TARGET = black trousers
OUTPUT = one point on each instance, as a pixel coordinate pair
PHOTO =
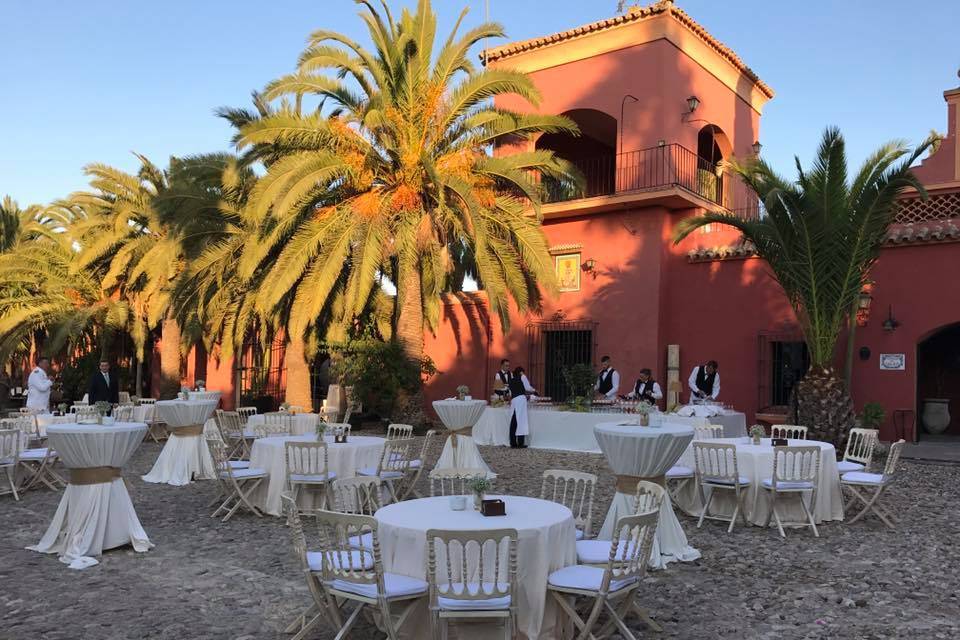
(515, 440)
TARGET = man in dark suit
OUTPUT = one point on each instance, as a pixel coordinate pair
(103, 385)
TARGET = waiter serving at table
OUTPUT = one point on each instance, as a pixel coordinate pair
(705, 382)
(646, 388)
(501, 381)
(608, 382)
(520, 390)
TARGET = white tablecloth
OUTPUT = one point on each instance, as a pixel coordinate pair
(205, 395)
(344, 459)
(546, 544)
(300, 424)
(646, 452)
(45, 420)
(94, 517)
(460, 451)
(183, 457)
(756, 462)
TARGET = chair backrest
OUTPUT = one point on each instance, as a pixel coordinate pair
(716, 461)
(84, 412)
(306, 458)
(123, 397)
(397, 455)
(796, 464)
(453, 482)
(860, 446)
(123, 413)
(398, 431)
(9, 445)
(788, 431)
(347, 428)
(890, 468)
(245, 413)
(630, 548)
(574, 490)
(297, 536)
(649, 496)
(708, 432)
(343, 560)
(357, 495)
(148, 401)
(427, 439)
(228, 422)
(471, 565)
(219, 454)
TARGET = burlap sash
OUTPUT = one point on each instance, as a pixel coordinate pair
(466, 432)
(186, 430)
(628, 484)
(94, 475)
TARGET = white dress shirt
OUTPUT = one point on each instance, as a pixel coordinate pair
(655, 392)
(693, 384)
(38, 390)
(614, 380)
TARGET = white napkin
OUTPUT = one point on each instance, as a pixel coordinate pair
(686, 411)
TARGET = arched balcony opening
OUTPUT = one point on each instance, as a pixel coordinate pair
(594, 153)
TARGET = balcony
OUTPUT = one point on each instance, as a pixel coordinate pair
(669, 175)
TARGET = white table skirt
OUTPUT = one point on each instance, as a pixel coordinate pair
(183, 458)
(300, 424)
(181, 413)
(646, 452)
(460, 451)
(95, 517)
(756, 463)
(344, 459)
(546, 543)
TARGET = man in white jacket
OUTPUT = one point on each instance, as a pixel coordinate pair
(39, 385)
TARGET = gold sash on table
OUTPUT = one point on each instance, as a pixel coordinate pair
(94, 475)
(186, 430)
(466, 432)
(628, 484)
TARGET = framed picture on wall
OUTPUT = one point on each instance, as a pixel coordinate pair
(893, 361)
(568, 271)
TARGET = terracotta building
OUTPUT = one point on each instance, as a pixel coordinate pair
(661, 104)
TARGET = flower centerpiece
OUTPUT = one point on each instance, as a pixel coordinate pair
(757, 432)
(185, 392)
(103, 408)
(321, 429)
(479, 485)
(62, 408)
(462, 392)
(643, 410)
(201, 385)
(285, 407)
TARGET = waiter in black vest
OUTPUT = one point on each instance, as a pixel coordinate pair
(501, 381)
(520, 390)
(608, 382)
(705, 382)
(646, 388)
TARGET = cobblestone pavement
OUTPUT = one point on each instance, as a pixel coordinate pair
(209, 580)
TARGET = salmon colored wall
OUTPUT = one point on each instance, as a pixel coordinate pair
(662, 77)
(944, 165)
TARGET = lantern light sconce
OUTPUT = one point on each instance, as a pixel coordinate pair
(864, 300)
(890, 324)
(589, 266)
(692, 103)
(757, 147)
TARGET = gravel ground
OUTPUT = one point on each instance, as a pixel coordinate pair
(209, 580)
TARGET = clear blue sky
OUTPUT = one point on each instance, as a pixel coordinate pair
(94, 80)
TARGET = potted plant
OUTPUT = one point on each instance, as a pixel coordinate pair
(479, 485)
(757, 433)
(103, 408)
(462, 392)
(644, 409)
(872, 416)
(62, 408)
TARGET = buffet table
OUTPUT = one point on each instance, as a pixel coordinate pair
(95, 513)
(573, 431)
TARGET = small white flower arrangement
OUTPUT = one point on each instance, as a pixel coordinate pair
(462, 391)
(757, 433)
(201, 385)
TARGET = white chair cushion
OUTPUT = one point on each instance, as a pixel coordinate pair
(578, 534)
(859, 477)
(679, 472)
(365, 540)
(787, 486)
(725, 481)
(598, 551)
(485, 604)
(243, 474)
(415, 464)
(372, 473)
(302, 477)
(394, 584)
(846, 466)
(6, 461)
(579, 576)
(356, 560)
(239, 464)
(35, 454)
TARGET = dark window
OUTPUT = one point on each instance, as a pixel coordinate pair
(262, 373)
(553, 346)
(789, 362)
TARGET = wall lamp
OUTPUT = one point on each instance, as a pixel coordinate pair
(891, 323)
(864, 300)
(692, 103)
(757, 147)
(589, 266)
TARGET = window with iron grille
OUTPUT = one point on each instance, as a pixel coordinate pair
(554, 346)
(783, 362)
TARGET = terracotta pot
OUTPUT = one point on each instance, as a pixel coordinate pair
(936, 415)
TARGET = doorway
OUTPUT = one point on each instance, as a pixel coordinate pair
(555, 346)
(938, 377)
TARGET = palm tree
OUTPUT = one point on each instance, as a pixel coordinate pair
(390, 176)
(820, 236)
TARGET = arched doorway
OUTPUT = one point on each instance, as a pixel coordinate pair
(713, 147)
(594, 153)
(938, 378)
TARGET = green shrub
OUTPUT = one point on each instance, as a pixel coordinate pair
(873, 415)
(580, 380)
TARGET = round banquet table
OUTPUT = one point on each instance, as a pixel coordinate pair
(344, 459)
(646, 453)
(546, 543)
(756, 463)
(185, 454)
(45, 420)
(300, 423)
(205, 395)
(95, 512)
(460, 451)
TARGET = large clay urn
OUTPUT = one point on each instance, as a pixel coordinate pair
(936, 415)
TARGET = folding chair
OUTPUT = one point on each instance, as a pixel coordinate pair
(859, 450)
(236, 484)
(453, 482)
(796, 470)
(9, 457)
(574, 490)
(788, 431)
(415, 469)
(307, 465)
(393, 467)
(399, 431)
(877, 482)
(717, 469)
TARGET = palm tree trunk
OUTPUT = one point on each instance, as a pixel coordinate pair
(169, 358)
(824, 405)
(298, 374)
(410, 317)
(139, 383)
